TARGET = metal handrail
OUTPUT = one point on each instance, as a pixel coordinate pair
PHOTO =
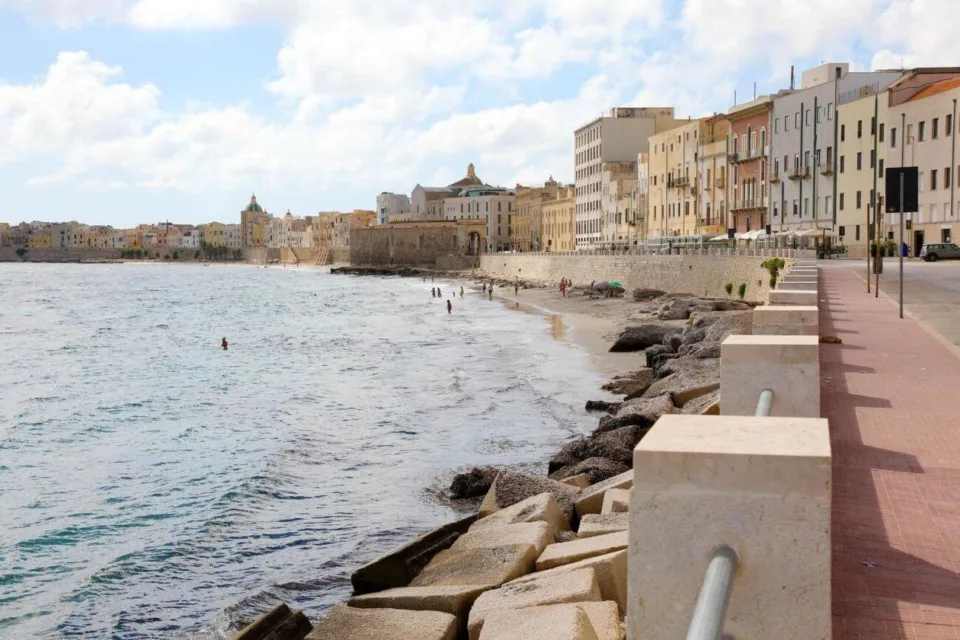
(710, 613)
(763, 406)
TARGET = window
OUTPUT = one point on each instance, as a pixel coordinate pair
(873, 159)
(843, 132)
(859, 160)
(948, 128)
(796, 120)
(842, 164)
(881, 132)
(807, 118)
(893, 137)
(830, 156)
(843, 231)
(873, 126)
(858, 233)
(806, 205)
(946, 177)
(776, 125)
(859, 200)
(921, 130)
(859, 128)
(840, 202)
(880, 171)
(795, 205)
(830, 111)
(786, 123)
(933, 180)
(935, 128)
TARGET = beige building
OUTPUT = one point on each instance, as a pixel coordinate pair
(492, 204)
(929, 110)
(559, 221)
(526, 234)
(618, 186)
(617, 138)
(254, 220)
(712, 197)
(673, 196)
(426, 203)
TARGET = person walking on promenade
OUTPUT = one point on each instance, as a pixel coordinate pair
(433, 292)
(439, 295)
(449, 308)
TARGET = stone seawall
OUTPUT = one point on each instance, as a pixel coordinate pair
(704, 276)
(9, 254)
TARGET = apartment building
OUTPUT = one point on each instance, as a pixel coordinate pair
(527, 231)
(804, 141)
(559, 221)
(673, 194)
(618, 186)
(492, 204)
(391, 205)
(619, 137)
(712, 207)
(748, 157)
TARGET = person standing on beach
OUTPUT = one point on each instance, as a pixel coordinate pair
(433, 292)
(516, 290)
(461, 292)
(449, 307)
(484, 287)
(439, 295)
(490, 292)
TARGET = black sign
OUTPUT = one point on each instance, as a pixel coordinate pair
(911, 181)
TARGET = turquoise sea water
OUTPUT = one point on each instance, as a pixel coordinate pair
(155, 486)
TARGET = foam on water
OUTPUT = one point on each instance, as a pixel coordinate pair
(154, 486)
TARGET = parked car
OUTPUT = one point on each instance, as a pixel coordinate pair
(941, 251)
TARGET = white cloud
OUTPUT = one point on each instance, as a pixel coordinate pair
(69, 13)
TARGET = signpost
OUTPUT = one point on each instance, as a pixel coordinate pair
(902, 196)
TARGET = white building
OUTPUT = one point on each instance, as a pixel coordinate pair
(617, 138)
(190, 239)
(233, 234)
(391, 204)
(493, 204)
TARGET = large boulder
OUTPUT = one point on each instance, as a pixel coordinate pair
(512, 487)
(474, 483)
(647, 294)
(280, 624)
(616, 444)
(539, 508)
(652, 353)
(351, 623)
(602, 405)
(641, 337)
(692, 336)
(596, 469)
(477, 566)
(640, 412)
(631, 384)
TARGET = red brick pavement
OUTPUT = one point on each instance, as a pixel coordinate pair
(892, 394)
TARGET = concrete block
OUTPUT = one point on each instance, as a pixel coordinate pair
(400, 566)
(536, 534)
(493, 567)
(786, 321)
(796, 286)
(581, 481)
(540, 508)
(280, 622)
(568, 552)
(761, 486)
(591, 498)
(455, 600)
(799, 277)
(800, 298)
(594, 524)
(569, 623)
(349, 623)
(615, 501)
(604, 617)
(511, 487)
(576, 586)
(611, 573)
(787, 365)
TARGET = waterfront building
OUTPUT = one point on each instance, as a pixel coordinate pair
(673, 195)
(427, 202)
(233, 235)
(7, 235)
(390, 205)
(559, 220)
(643, 196)
(490, 204)
(803, 144)
(253, 219)
(40, 238)
(618, 185)
(526, 231)
(212, 234)
(712, 168)
(618, 137)
(922, 128)
(748, 157)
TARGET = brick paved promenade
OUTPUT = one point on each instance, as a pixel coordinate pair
(892, 394)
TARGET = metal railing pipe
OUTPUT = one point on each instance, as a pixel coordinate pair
(710, 613)
(763, 406)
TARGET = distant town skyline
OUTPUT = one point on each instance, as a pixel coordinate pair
(122, 111)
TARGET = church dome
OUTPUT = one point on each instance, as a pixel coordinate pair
(253, 206)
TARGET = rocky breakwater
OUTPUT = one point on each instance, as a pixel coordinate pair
(546, 555)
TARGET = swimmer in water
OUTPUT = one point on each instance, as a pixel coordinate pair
(449, 307)
(223, 343)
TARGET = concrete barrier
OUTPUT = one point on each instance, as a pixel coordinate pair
(796, 286)
(800, 298)
(759, 485)
(786, 321)
(787, 365)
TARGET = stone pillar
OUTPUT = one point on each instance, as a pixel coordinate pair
(759, 485)
(786, 321)
(787, 365)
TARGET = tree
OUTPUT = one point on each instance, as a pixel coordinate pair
(21, 252)
(238, 254)
(176, 255)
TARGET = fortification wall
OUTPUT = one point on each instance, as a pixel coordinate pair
(698, 275)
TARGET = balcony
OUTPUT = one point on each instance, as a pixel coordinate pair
(827, 169)
(775, 177)
(680, 181)
(733, 158)
(749, 203)
(800, 173)
(720, 183)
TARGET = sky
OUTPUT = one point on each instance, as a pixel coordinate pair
(129, 111)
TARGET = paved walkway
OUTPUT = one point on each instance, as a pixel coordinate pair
(892, 394)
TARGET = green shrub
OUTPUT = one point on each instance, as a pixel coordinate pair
(729, 288)
(742, 291)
